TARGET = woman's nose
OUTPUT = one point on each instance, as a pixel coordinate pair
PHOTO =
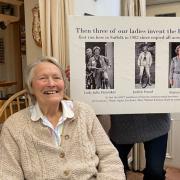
(51, 81)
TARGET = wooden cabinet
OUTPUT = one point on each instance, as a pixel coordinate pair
(9, 10)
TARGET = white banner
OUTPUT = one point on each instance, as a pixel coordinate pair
(123, 65)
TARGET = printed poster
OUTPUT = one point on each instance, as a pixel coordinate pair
(124, 65)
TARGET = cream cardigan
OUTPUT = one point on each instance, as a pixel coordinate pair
(27, 149)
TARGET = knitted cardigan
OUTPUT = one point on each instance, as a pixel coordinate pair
(135, 128)
(28, 151)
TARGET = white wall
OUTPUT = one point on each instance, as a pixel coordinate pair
(163, 9)
(174, 143)
(97, 7)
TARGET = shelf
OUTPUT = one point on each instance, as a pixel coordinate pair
(13, 2)
(8, 18)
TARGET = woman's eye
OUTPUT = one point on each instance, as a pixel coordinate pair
(57, 77)
(41, 78)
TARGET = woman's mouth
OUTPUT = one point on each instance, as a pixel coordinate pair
(50, 92)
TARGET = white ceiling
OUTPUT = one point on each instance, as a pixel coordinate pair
(152, 2)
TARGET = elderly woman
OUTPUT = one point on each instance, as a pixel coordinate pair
(174, 73)
(55, 138)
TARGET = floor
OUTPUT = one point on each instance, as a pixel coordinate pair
(171, 174)
(134, 176)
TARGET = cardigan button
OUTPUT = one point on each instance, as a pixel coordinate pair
(62, 155)
(67, 137)
(66, 172)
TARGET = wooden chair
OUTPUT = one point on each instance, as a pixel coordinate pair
(16, 102)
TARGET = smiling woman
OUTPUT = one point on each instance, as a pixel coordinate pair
(51, 132)
(42, 76)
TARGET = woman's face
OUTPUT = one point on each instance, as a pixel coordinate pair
(89, 52)
(145, 48)
(97, 52)
(178, 51)
(47, 84)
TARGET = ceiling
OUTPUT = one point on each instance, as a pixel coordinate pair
(152, 2)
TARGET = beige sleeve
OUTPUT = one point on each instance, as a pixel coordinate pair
(110, 165)
(10, 167)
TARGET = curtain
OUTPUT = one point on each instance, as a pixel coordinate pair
(54, 28)
(134, 7)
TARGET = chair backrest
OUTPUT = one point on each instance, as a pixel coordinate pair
(16, 102)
